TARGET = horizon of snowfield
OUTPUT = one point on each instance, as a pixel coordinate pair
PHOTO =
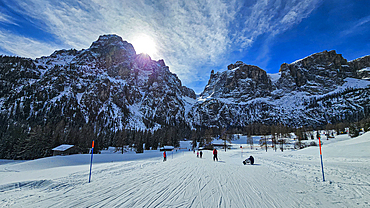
(292, 178)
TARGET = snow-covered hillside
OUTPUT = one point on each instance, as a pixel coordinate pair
(278, 179)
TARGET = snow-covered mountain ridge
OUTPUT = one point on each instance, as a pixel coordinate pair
(319, 89)
(107, 84)
(111, 87)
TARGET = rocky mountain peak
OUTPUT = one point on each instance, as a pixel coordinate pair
(240, 81)
(107, 80)
(111, 40)
(324, 58)
(324, 71)
(237, 64)
(108, 51)
(360, 63)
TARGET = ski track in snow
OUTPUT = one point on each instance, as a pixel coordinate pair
(340, 188)
(278, 179)
(191, 182)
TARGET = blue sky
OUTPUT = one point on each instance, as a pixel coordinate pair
(193, 37)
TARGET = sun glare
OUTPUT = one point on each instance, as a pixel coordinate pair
(144, 44)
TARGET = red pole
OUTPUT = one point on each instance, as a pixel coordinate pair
(322, 165)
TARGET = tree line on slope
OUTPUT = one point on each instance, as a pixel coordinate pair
(22, 142)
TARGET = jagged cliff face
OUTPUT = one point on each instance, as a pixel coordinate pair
(361, 65)
(319, 89)
(317, 74)
(107, 84)
(233, 82)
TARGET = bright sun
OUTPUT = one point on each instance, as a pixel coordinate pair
(144, 44)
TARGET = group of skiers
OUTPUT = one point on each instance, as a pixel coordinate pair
(200, 153)
(249, 160)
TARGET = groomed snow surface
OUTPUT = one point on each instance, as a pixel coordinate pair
(291, 178)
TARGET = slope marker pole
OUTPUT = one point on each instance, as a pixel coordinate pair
(322, 164)
(92, 153)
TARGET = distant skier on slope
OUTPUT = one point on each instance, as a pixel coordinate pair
(164, 156)
(249, 160)
(215, 155)
(201, 154)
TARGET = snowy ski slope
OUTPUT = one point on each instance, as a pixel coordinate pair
(278, 179)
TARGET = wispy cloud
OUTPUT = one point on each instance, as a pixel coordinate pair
(5, 18)
(355, 26)
(189, 34)
(271, 17)
(25, 47)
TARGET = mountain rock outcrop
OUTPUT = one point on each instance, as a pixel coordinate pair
(233, 82)
(319, 89)
(319, 73)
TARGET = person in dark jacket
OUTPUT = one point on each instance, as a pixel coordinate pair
(249, 160)
(201, 154)
(215, 155)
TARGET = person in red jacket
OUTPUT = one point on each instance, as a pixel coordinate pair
(164, 156)
(215, 155)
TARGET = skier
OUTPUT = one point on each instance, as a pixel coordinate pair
(249, 160)
(197, 153)
(215, 155)
(201, 154)
(164, 156)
